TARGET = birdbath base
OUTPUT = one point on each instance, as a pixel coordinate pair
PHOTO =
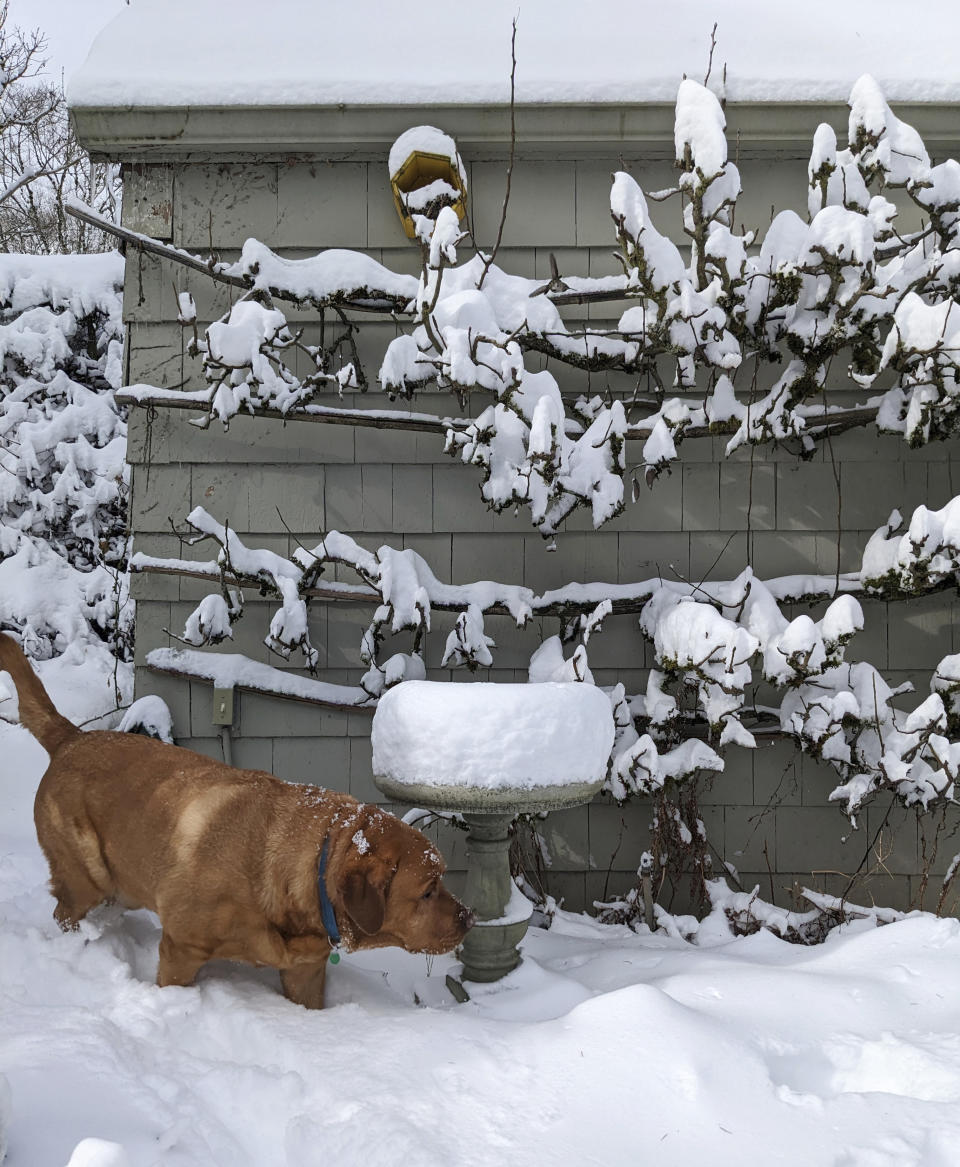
(489, 950)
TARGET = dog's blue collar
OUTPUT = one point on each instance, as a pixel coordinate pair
(327, 914)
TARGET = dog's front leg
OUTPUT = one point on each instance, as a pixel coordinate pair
(303, 984)
(269, 946)
(179, 963)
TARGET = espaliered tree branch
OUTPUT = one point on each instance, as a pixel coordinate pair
(676, 419)
(712, 644)
(567, 603)
(150, 397)
(894, 567)
(233, 671)
(265, 270)
(261, 269)
(721, 341)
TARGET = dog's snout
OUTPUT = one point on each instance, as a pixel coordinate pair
(466, 918)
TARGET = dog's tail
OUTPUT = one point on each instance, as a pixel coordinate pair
(38, 714)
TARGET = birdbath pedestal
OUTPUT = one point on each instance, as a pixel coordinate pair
(491, 752)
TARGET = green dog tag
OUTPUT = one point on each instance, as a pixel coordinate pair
(334, 957)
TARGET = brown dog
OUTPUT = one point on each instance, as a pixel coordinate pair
(236, 863)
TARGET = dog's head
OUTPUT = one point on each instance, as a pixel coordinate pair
(388, 884)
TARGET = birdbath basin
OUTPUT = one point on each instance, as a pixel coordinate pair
(491, 752)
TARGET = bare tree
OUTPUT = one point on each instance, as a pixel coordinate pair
(41, 161)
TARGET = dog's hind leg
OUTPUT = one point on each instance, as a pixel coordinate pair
(74, 899)
(75, 887)
(179, 962)
(303, 984)
(79, 878)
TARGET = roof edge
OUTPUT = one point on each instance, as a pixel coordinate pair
(358, 131)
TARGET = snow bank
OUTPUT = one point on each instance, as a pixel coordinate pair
(492, 735)
(605, 1046)
(844, 1053)
(182, 52)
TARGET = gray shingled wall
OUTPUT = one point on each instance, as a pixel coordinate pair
(768, 814)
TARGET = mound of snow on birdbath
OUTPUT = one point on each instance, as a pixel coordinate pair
(492, 737)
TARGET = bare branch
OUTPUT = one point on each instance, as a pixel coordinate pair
(513, 147)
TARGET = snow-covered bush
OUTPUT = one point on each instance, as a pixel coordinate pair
(63, 522)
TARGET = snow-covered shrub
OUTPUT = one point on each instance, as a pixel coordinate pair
(63, 477)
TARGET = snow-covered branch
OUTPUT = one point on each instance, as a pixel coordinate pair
(334, 277)
(752, 335)
(713, 644)
(233, 671)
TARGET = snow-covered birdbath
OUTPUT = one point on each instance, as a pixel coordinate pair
(491, 752)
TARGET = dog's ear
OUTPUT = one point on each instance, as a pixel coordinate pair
(364, 900)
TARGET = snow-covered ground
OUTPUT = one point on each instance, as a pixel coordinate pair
(605, 1047)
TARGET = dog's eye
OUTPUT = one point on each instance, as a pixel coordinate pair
(428, 893)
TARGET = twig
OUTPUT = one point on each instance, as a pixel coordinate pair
(713, 45)
(867, 853)
(513, 144)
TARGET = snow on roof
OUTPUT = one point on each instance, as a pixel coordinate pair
(185, 52)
